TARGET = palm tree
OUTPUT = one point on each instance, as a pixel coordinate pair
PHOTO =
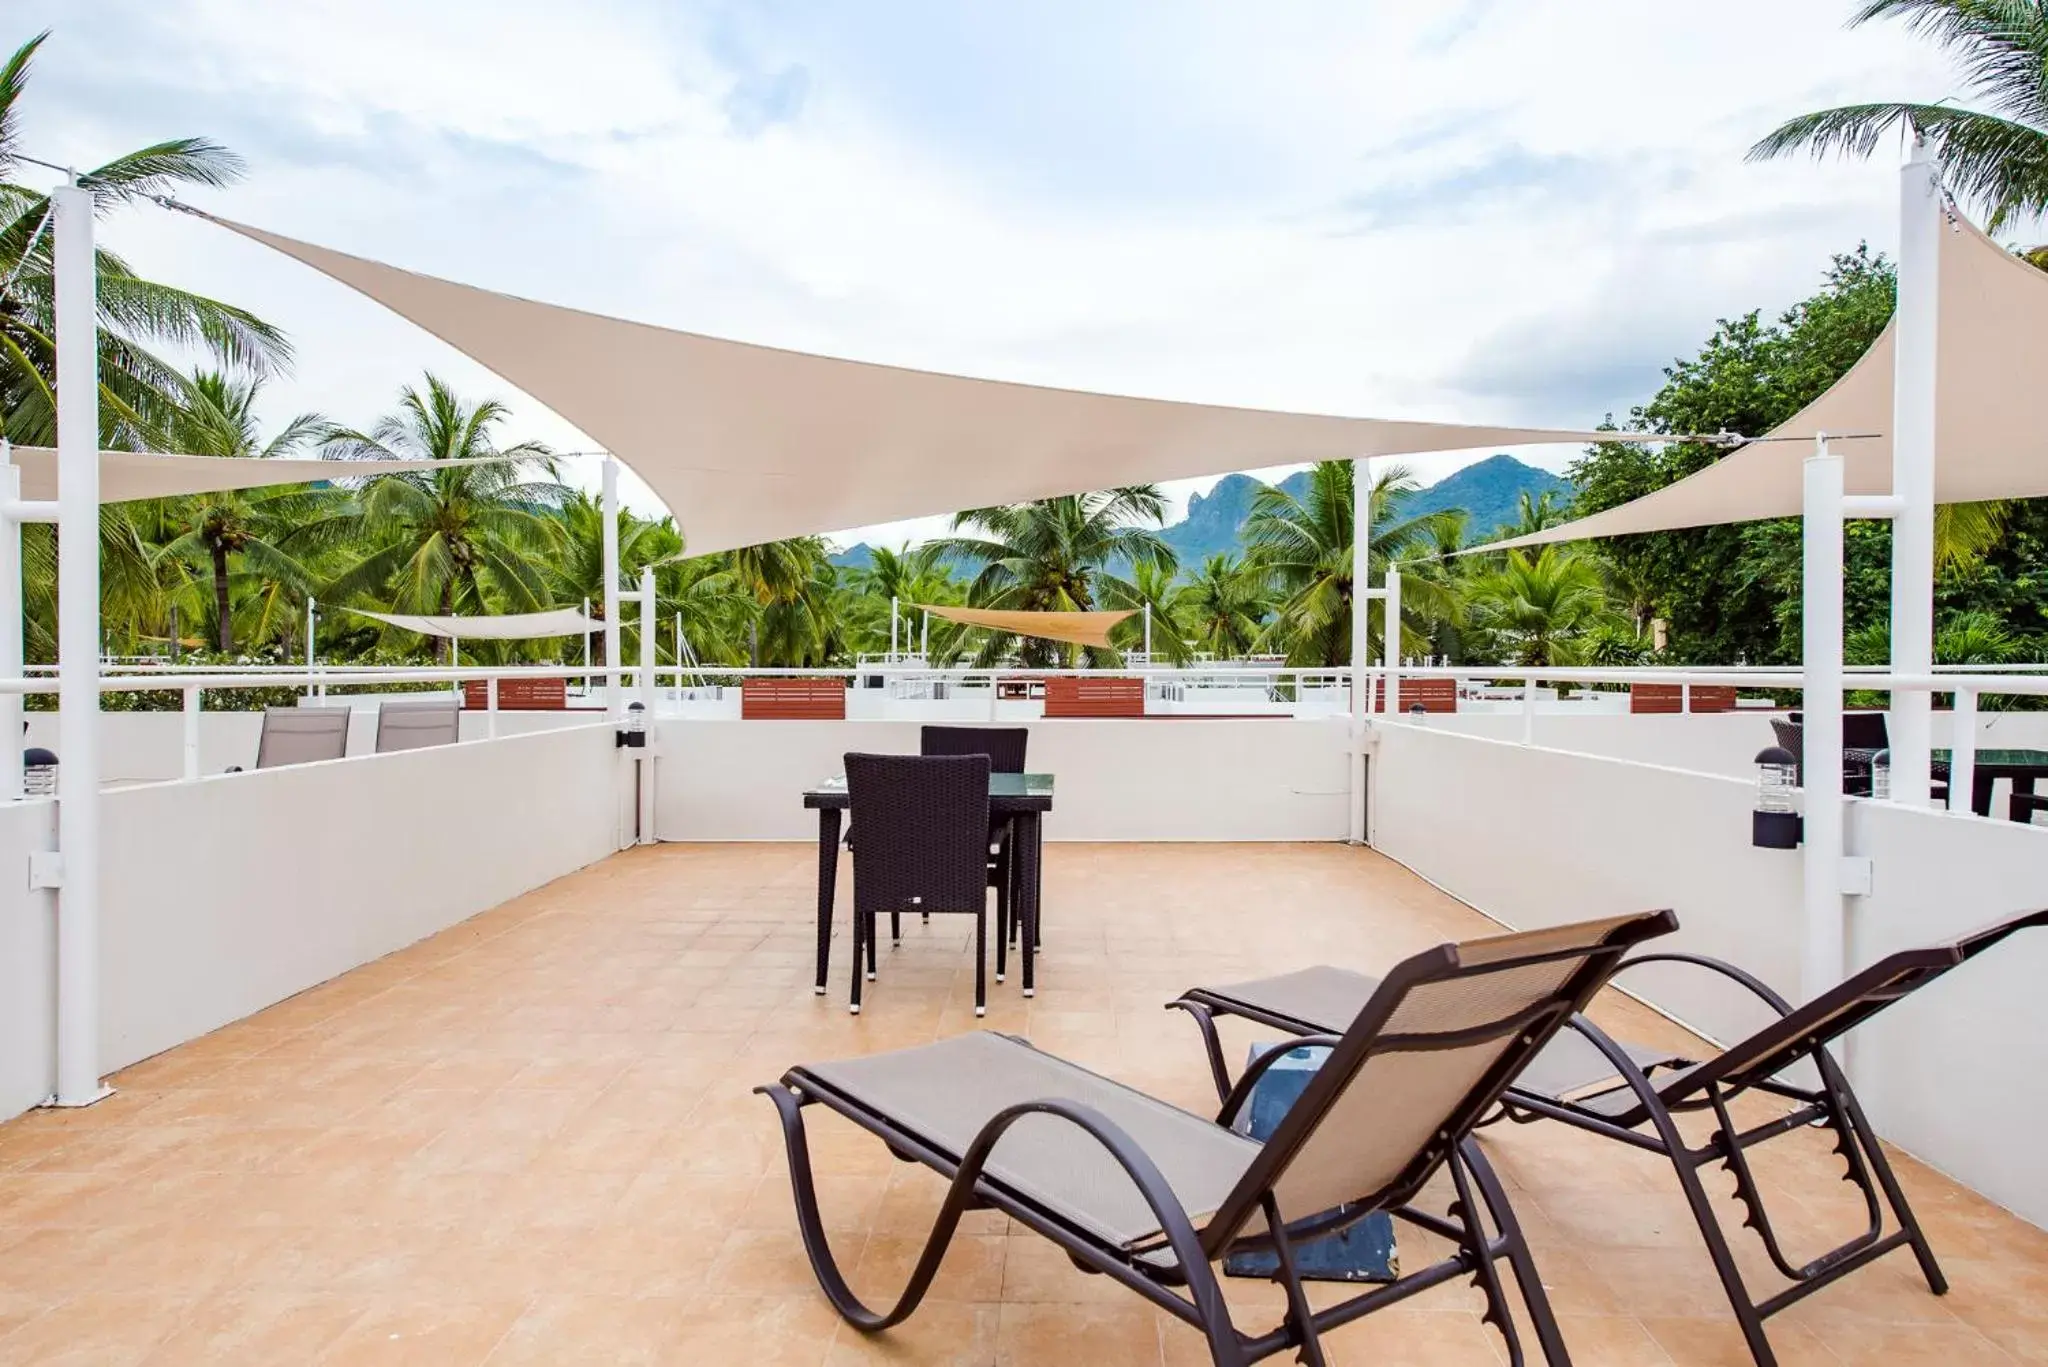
(1542, 609)
(1223, 607)
(1055, 555)
(1151, 587)
(137, 387)
(908, 576)
(1997, 156)
(211, 531)
(462, 537)
(1305, 544)
(791, 584)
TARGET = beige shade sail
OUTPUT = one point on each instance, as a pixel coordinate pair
(1078, 628)
(750, 443)
(128, 475)
(507, 626)
(1991, 412)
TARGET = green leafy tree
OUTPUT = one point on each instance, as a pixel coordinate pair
(792, 584)
(255, 527)
(1305, 545)
(1996, 156)
(137, 386)
(1056, 555)
(466, 538)
(1542, 609)
(1224, 606)
(1154, 587)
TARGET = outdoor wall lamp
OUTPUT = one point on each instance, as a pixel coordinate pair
(1775, 825)
(633, 734)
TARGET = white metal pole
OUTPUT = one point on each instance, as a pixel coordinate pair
(1823, 956)
(586, 648)
(10, 625)
(1962, 751)
(614, 700)
(1913, 455)
(491, 708)
(892, 630)
(924, 637)
(1361, 553)
(1390, 628)
(194, 701)
(645, 757)
(309, 646)
(1529, 710)
(78, 649)
(1148, 635)
(679, 657)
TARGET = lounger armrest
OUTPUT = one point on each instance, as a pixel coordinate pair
(1241, 1094)
(1725, 969)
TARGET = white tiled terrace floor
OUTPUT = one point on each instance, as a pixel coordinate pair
(531, 1140)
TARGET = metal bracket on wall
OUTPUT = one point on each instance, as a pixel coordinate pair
(45, 869)
(1858, 875)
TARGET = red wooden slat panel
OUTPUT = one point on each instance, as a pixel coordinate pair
(1435, 695)
(783, 699)
(1094, 696)
(518, 695)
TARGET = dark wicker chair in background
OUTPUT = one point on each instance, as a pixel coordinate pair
(923, 847)
(1864, 734)
(1005, 747)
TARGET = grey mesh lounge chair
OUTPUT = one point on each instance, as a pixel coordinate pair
(923, 847)
(1151, 1195)
(1615, 1090)
(417, 723)
(302, 735)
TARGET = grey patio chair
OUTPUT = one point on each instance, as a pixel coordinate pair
(1151, 1195)
(302, 735)
(923, 847)
(1614, 1089)
(417, 723)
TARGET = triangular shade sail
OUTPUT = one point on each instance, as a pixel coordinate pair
(1078, 628)
(509, 626)
(1991, 433)
(127, 475)
(750, 443)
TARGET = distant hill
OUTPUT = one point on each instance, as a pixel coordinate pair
(855, 557)
(1489, 492)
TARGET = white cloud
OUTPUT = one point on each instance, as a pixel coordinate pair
(1488, 213)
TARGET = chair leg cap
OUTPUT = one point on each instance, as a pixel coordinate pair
(1030, 991)
(981, 1011)
(818, 991)
(853, 1010)
(999, 977)
(871, 977)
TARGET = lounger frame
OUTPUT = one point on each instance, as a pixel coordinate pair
(1760, 1064)
(1185, 1285)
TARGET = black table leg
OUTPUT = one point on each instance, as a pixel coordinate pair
(828, 878)
(1025, 909)
(2020, 807)
(1980, 792)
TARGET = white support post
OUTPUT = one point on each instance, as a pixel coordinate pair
(194, 700)
(586, 649)
(311, 661)
(645, 757)
(1361, 580)
(1529, 710)
(614, 699)
(78, 649)
(894, 614)
(924, 638)
(678, 652)
(1823, 955)
(1962, 751)
(10, 625)
(1913, 455)
(1390, 631)
(491, 708)
(1148, 635)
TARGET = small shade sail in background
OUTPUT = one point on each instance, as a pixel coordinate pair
(1076, 628)
(508, 626)
(749, 443)
(1991, 412)
(128, 475)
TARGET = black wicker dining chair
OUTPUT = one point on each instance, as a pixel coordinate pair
(923, 847)
(1005, 747)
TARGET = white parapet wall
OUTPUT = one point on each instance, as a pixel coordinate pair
(224, 895)
(1534, 837)
(1264, 779)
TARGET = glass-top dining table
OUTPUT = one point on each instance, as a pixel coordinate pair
(1022, 799)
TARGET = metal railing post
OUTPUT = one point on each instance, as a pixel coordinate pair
(1962, 751)
(1529, 710)
(194, 701)
(491, 708)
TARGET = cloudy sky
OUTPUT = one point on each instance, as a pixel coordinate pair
(1470, 211)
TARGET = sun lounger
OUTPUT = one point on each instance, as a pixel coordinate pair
(302, 735)
(1615, 1090)
(1151, 1195)
(417, 723)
